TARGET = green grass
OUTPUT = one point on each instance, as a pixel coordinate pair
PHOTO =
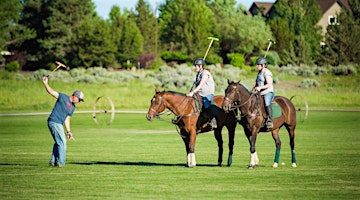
(334, 92)
(137, 159)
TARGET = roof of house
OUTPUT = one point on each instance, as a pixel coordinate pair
(266, 5)
(326, 4)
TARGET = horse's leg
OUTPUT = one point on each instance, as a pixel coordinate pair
(185, 137)
(191, 156)
(276, 137)
(218, 137)
(291, 131)
(252, 135)
(231, 132)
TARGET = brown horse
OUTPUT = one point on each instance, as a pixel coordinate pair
(252, 112)
(189, 120)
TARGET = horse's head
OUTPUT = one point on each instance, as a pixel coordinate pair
(157, 105)
(231, 96)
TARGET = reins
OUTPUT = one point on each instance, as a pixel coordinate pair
(181, 113)
(236, 106)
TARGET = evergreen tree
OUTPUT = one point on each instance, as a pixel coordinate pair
(146, 22)
(301, 17)
(55, 22)
(342, 41)
(94, 45)
(12, 33)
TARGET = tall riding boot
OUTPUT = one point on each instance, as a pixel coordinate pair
(211, 114)
(269, 122)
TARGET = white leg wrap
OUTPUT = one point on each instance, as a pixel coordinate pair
(256, 159)
(252, 159)
(293, 165)
(275, 165)
(191, 160)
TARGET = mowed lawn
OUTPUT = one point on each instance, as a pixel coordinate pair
(137, 159)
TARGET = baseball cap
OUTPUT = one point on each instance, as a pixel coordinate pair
(78, 94)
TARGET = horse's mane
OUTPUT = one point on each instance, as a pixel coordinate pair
(243, 86)
(178, 93)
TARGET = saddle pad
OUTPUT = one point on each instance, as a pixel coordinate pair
(276, 110)
(214, 109)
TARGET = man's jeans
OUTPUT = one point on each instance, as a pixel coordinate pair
(59, 148)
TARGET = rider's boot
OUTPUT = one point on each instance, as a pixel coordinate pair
(269, 122)
(212, 118)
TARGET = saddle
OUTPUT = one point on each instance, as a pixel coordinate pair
(276, 110)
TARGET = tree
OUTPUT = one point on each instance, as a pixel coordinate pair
(11, 32)
(94, 45)
(342, 41)
(185, 26)
(126, 36)
(56, 22)
(301, 34)
(234, 37)
(146, 22)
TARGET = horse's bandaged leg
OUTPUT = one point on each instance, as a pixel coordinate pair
(256, 158)
(277, 155)
(252, 159)
(293, 158)
(191, 160)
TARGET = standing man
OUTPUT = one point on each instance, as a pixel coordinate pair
(205, 86)
(264, 84)
(60, 115)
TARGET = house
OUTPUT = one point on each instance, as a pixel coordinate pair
(329, 10)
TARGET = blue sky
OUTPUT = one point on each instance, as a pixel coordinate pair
(103, 6)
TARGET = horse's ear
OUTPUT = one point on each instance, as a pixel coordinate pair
(229, 82)
(156, 90)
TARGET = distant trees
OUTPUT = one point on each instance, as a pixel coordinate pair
(38, 32)
(342, 44)
(295, 30)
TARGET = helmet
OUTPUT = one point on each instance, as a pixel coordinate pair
(261, 60)
(199, 61)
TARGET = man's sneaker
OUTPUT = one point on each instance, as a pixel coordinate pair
(59, 165)
(213, 123)
(51, 164)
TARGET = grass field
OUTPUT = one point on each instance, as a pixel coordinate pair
(137, 159)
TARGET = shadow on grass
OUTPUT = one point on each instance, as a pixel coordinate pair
(145, 164)
(12, 164)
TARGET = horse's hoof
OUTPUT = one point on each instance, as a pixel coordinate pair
(293, 165)
(252, 166)
(275, 165)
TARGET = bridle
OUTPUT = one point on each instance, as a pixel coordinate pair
(181, 114)
(234, 105)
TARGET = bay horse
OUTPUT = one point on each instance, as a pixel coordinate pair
(251, 108)
(189, 120)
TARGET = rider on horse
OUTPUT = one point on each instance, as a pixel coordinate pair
(263, 84)
(205, 86)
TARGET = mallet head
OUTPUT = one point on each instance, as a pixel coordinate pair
(213, 38)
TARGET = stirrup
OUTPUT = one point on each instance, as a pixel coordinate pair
(269, 124)
(213, 123)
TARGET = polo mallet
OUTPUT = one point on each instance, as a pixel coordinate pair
(212, 40)
(270, 43)
(59, 65)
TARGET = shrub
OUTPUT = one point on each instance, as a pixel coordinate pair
(307, 83)
(236, 59)
(343, 70)
(174, 56)
(12, 66)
